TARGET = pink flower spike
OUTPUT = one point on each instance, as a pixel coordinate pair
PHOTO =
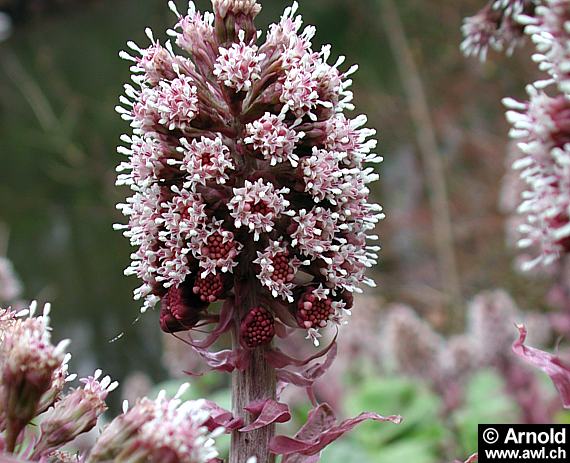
(552, 365)
(265, 413)
(240, 150)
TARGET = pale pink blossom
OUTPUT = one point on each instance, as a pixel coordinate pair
(206, 159)
(324, 178)
(274, 139)
(176, 102)
(238, 67)
(256, 206)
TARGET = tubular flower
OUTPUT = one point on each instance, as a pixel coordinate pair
(206, 159)
(238, 67)
(241, 152)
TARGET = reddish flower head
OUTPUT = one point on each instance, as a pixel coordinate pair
(257, 328)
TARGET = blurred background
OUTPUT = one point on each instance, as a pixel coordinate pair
(446, 240)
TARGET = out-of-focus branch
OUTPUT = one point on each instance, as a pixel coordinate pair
(428, 146)
(41, 107)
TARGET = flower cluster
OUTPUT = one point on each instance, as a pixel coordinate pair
(549, 29)
(412, 347)
(495, 26)
(246, 175)
(33, 374)
(28, 367)
(158, 430)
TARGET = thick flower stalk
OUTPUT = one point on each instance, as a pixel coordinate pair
(250, 185)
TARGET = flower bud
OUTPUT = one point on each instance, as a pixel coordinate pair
(28, 361)
(314, 309)
(178, 312)
(74, 414)
(233, 16)
(257, 328)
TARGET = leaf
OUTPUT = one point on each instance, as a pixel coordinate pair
(224, 360)
(278, 359)
(266, 412)
(226, 316)
(552, 365)
(221, 418)
(321, 430)
(307, 377)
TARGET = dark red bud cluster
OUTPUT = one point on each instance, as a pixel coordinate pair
(257, 327)
(216, 248)
(313, 312)
(210, 288)
(282, 272)
(179, 312)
